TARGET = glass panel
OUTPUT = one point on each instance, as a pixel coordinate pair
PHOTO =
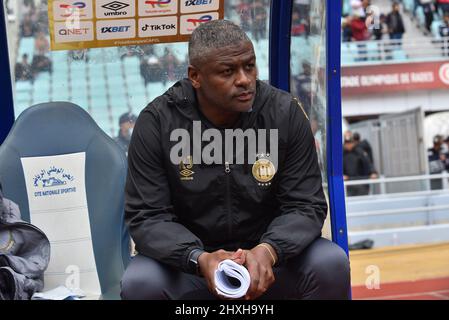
(308, 72)
(108, 82)
(308, 67)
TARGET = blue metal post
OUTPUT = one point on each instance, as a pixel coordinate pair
(6, 94)
(280, 26)
(334, 130)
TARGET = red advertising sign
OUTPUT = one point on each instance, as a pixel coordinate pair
(386, 78)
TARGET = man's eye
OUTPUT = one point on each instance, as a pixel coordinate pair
(250, 66)
(227, 71)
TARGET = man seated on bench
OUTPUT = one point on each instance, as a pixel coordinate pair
(224, 166)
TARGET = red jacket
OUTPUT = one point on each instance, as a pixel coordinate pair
(359, 30)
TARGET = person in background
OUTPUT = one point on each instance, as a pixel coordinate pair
(126, 123)
(395, 24)
(381, 29)
(428, 9)
(444, 6)
(41, 44)
(23, 70)
(438, 160)
(364, 145)
(359, 33)
(356, 166)
(41, 63)
(444, 33)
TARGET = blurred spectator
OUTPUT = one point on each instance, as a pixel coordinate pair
(40, 63)
(429, 10)
(438, 161)
(23, 70)
(27, 27)
(259, 23)
(170, 65)
(357, 9)
(300, 26)
(346, 29)
(381, 29)
(126, 123)
(359, 32)
(443, 5)
(131, 51)
(356, 166)
(365, 5)
(395, 24)
(444, 32)
(303, 83)
(364, 145)
(243, 10)
(150, 67)
(79, 55)
(41, 44)
(27, 8)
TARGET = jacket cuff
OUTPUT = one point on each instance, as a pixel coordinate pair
(186, 266)
(278, 250)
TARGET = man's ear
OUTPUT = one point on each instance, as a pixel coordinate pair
(194, 76)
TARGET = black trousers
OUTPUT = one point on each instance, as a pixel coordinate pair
(321, 271)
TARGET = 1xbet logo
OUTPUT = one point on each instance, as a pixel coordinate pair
(115, 29)
(189, 3)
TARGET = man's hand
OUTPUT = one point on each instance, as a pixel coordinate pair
(259, 263)
(209, 263)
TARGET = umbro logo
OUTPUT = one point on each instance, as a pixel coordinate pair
(115, 6)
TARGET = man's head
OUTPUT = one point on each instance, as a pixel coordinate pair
(437, 141)
(25, 58)
(222, 66)
(395, 6)
(126, 122)
(356, 137)
(349, 141)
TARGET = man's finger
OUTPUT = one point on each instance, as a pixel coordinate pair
(239, 256)
(264, 282)
(254, 274)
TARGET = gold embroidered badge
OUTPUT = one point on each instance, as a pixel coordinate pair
(263, 171)
(184, 167)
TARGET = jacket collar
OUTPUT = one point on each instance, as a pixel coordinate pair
(183, 96)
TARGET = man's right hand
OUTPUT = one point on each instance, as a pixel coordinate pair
(209, 263)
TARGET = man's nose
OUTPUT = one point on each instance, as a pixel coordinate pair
(242, 78)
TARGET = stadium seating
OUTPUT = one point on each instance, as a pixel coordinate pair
(107, 83)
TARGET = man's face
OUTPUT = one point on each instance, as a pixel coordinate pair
(226, 78)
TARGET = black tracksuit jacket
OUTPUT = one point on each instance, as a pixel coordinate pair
(169, 217)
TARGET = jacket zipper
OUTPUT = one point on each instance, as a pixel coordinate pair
(228, 198)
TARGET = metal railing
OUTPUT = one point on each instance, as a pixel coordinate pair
(404, 217)
(382, 181)
(388, 51)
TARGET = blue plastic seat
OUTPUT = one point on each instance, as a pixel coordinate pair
(26, 46)
(70, 131)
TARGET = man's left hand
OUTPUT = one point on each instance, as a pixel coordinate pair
(259, 263)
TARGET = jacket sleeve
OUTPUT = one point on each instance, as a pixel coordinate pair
(148, 209)
(300, 194)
